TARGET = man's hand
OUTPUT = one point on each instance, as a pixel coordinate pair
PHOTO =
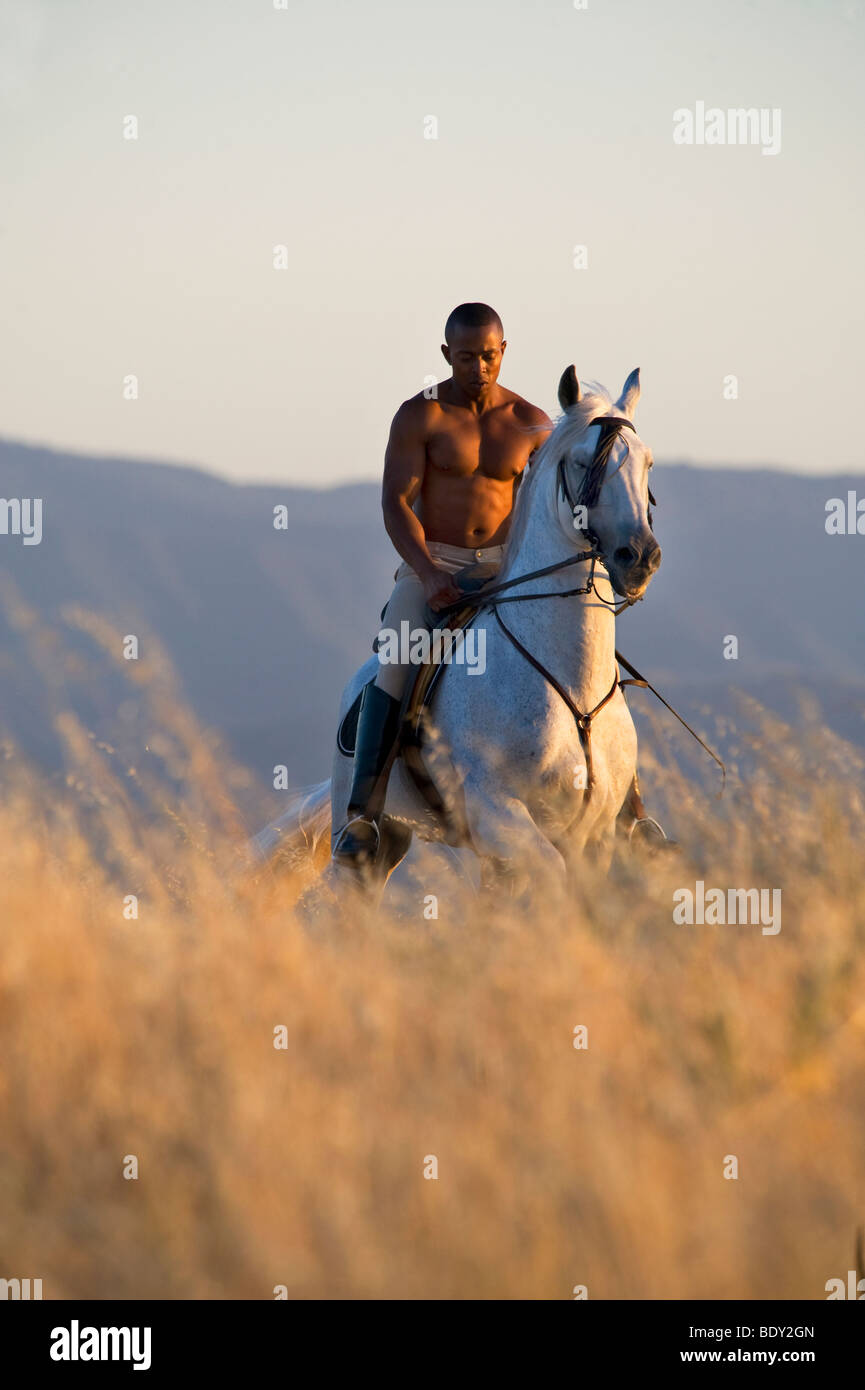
(439, 588)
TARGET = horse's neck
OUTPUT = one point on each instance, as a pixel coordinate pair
(574, 637)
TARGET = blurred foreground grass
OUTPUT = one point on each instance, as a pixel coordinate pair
(304, 1166)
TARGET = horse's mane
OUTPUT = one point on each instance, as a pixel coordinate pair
(568, 432)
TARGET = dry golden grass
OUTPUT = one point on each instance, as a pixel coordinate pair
(406, 1038)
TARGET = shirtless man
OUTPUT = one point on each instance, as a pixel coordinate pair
(451, 472)
(452, 469)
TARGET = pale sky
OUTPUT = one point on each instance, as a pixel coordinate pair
(304, 127)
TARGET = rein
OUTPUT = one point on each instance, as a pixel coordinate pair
(493, 590)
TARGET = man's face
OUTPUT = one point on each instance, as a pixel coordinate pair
(475, 355)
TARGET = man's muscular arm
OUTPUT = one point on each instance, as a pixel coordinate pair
(540, 427)
(404, 468)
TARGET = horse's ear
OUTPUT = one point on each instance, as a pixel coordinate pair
(570, 392)
(627, 402)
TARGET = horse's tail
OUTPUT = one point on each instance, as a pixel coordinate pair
(297, 833)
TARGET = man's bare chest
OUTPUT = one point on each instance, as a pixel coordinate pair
(495, 449)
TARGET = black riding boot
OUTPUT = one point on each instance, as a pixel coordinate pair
(377, 728)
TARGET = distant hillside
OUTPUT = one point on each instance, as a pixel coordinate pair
(264, 625)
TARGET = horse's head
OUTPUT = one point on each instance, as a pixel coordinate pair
(605, 472)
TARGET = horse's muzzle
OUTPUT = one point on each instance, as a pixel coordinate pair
(634, 565)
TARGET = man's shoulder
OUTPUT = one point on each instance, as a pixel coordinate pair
(526, 413)
(416, 412)
(419, 404)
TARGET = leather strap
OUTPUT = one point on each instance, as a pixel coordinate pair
(582, 721)
(641, 680)
(480, 596)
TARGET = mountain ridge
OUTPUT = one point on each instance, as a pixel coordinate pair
(264, 626)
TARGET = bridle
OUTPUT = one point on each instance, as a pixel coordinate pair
(611, 427)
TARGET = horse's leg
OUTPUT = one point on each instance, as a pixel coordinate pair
(514, 852)
(632, 808)
(601, 848)
(395, 844)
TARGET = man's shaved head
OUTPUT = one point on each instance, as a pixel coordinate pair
(472, 316)
(473, 348)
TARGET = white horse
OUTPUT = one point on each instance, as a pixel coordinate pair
(526, 788)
